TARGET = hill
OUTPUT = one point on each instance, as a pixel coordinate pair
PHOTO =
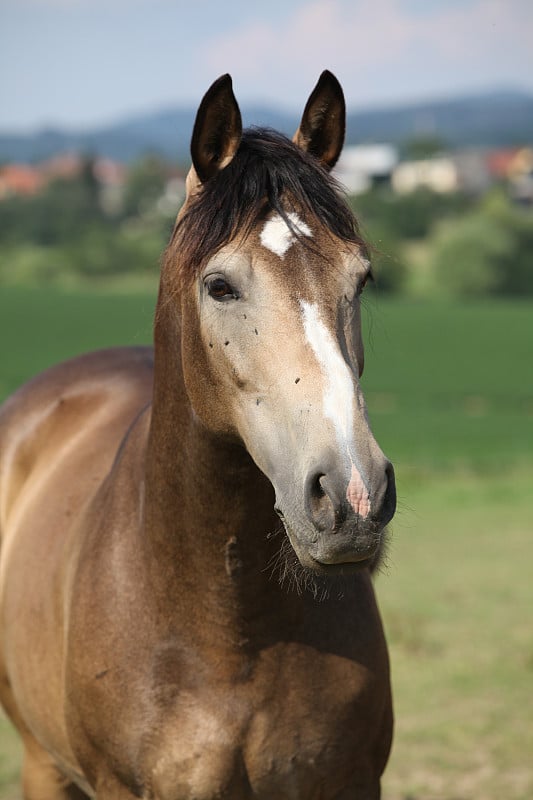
(491, 119)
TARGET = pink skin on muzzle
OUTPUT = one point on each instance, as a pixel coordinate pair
(357, 494)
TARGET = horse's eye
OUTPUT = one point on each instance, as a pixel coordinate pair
(219, 289)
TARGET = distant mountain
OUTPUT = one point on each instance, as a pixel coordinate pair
(494, 119)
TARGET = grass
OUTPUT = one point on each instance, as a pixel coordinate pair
(450, 395)
(451, 386)
(457, 605)
(10, 759)
(39, 327)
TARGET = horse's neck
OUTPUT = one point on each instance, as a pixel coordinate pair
(208, 515)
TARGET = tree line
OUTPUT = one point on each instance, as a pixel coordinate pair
(421, 243)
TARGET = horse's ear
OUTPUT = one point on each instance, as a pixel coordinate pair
(217, 130)
(323, 124)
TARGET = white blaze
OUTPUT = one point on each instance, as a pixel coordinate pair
(276, 235)
(338, 393)
(338, 400)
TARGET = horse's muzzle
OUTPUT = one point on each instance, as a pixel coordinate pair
(342, 536)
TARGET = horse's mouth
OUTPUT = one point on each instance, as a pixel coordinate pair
(346, 558)
(343, 567)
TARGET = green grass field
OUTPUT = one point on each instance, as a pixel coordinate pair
(450, 396)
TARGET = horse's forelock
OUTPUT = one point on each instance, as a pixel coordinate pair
(268, 173)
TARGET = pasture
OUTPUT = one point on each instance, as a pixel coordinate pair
(450, 396)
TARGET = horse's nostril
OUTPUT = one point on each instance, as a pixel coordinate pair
(389, 499)
(316, 489)
(318, 501)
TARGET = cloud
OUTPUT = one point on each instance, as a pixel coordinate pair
(75, 5)
(79, 61)
(373, 46)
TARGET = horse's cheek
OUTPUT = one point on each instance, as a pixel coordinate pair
(204, 382)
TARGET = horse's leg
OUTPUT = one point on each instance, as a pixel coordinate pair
(41, 779)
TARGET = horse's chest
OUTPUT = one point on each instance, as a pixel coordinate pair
(296, 755)
(282, 761)
(285, 740)
(308, 745)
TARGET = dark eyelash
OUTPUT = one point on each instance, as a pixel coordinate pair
(368, 277)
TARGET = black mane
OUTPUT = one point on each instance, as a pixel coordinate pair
(268, 173)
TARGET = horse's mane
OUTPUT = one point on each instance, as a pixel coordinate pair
(268, 173)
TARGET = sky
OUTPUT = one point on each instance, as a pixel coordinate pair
(84, 63)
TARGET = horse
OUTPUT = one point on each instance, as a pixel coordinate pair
(163, 634)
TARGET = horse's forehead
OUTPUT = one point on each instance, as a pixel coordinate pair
(298, 249)
(278, 235)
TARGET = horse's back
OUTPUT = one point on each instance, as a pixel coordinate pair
(59, 437)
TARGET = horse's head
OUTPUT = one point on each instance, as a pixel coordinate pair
(272, 267)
